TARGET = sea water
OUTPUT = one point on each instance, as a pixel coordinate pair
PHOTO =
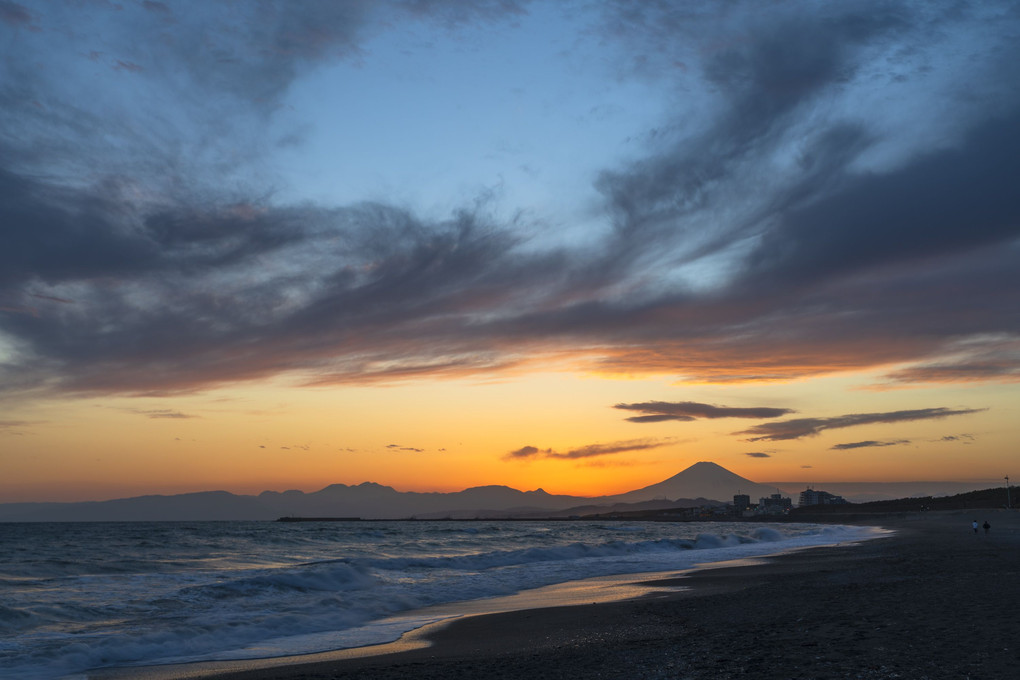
(77, 596)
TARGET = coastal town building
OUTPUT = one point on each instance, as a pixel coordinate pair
(775, 504)
(741, 502)
(812, 497)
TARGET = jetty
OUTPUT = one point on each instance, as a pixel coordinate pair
(319, 519)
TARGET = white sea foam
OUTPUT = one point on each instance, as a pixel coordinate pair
(91, 595)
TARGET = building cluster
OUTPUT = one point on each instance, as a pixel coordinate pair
(812, 497)
(777, 504)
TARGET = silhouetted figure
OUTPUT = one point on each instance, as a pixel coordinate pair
(986, 525)
(974, 526)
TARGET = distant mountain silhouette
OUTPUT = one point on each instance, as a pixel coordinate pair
(187, 507)
(369, 500)
(703, 479)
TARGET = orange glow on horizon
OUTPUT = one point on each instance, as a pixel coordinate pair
(451, 435)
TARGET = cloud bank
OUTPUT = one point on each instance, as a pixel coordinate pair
(838, 195)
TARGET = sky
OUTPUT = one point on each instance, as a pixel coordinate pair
(567, 245)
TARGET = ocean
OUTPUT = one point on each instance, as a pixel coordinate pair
(79, 596)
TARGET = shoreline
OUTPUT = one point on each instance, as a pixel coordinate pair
(828, 611)
(603, 589)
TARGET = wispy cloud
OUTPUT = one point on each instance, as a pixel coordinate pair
(121, 65)
(610, 463)
(965, 438)
(588, 451)
(658, 411)
(809, 427)
(995, 358)
(868, 444)
(758, 454)
(160, 413)
(166, 413)
(13, 427)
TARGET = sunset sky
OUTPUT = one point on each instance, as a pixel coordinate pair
(570, 245)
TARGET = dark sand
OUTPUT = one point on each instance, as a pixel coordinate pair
(933, 601)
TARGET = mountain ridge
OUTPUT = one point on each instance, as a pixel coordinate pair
(700, 482)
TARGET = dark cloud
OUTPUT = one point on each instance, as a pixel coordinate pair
(358, 283)
(589, 451)
(14, 14)
(766, 76)
(889, 316)
(996, 358)
(831, 241)
(913, 213)
(145, 255)
(868, 444)
(968, 372)
(62, 234)
(398, 447)
(658, 411)
(659, 418)
(166, 413)
(809, 427)
(609, 449)
(758, 454)
(526, 452)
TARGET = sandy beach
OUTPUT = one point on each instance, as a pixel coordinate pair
(932, 601)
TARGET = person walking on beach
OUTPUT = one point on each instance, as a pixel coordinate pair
(974, 526)
(987, 526)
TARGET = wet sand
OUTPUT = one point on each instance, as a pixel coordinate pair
(932, 601)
